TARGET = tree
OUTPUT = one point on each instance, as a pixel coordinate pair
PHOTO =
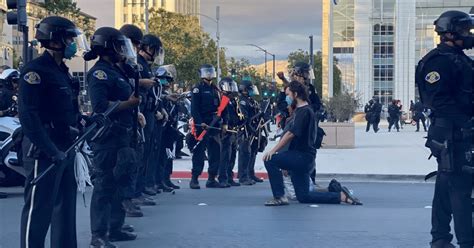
(341, 107)
(187, 46)
(69, 9)
(303, 56)
(243, 69)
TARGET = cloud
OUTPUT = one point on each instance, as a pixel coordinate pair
(277, 25)
(280, 26)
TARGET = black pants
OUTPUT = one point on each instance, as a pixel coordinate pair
(423, 121)
(55, 193)
(212, 143)
(141, 167)
(393, 122)
(452, 200)
(106, 212)
(245, 155)
(152, 150)
(228, 155)
(299, 165)
(375, 126)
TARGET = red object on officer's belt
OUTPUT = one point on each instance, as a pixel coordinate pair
(223, 104)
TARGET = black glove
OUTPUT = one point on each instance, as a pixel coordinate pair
(60, 156)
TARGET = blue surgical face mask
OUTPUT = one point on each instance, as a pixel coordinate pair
(251, 93)
(70, 50)
(289, 100)
(163, 81)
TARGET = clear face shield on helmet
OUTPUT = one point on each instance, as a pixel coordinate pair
(74, 41)
(229, 87)
(208, 73)
(125, 48)
(254, 91)
(159, 57)
(82, 43)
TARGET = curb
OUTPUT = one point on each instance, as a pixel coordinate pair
(329, 176)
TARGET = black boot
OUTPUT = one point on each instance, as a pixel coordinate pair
(256, 179)
(150, 191)
(128, 228)
(246, 182)
(194, 183)
(143, 201)
(224, 185)
(118, 236)
(164, 188)
(442, 244)
(130, 209)
(101, 242)
(212, 183)
(233, 183)
(170, 184)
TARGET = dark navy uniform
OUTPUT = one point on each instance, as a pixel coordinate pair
(230, 142)
(144, 148)
(445, 81)
(114, 159)
(204, 103)
(47, 113)
(248, 106)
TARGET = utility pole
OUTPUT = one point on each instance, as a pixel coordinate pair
(218, 36)
(147, 16)
(311, 55)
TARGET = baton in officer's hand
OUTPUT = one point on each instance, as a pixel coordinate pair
(73, 146)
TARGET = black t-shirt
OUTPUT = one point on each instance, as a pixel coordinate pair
(304, 129)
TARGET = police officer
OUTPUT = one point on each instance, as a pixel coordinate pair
(113, 156)
(248, 106)
(130, 191)
(419, 115)
(8, 92)
(168, 141)
(445, 79)
(204, 105)
(146, 82)
(47, 113)
(229, 139)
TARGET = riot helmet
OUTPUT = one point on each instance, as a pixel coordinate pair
(303, 69)
(208, 72)
(62, 31)
(153, 43)
(164, 75)
(111, 42)
(228, 85)
(133, 32)
(457, 23)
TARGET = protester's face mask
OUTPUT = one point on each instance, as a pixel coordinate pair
(289, 100)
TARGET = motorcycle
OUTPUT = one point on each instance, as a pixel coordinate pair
(10, 165)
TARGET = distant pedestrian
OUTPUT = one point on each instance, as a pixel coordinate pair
(418, 116)
(394, 116)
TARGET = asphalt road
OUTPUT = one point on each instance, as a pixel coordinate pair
(393, 215)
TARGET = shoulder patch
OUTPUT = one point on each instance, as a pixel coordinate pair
(100, 74)
(196, 90)
(432, 77)
(243, 103)
(140, 67)
(32, 78)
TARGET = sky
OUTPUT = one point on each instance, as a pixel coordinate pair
(279, 26)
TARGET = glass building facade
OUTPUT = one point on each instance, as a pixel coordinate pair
(379, 42)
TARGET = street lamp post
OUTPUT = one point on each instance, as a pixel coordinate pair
(218, 37)
(266, 53)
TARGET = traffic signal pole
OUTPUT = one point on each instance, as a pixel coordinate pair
(17, 16)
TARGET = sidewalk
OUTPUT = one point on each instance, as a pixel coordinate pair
(379, 156)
